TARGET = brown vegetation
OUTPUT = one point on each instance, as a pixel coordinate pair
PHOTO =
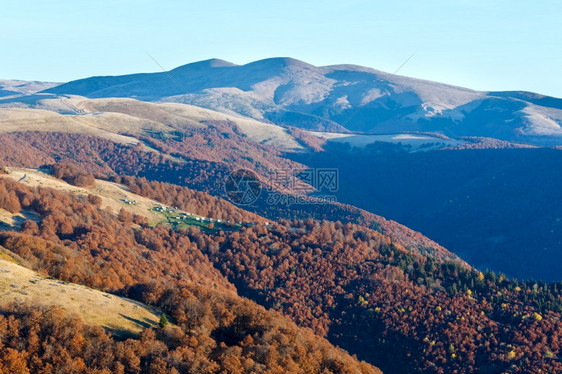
(104, 158)
(73, 175)
(244, 338)
(216, 331)
(403, 312)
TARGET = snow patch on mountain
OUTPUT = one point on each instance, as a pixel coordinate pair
(543, 121)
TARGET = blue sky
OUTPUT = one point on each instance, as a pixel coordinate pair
(488, 45)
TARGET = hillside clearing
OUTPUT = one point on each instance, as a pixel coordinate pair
(113, 195)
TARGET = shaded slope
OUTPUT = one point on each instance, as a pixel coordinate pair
(496, 208)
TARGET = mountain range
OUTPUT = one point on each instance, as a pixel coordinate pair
(338, 98)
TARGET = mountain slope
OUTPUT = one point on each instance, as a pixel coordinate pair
(215, 329)
(108, 158)
(498, 209)
(117, 314)
(199, 148)
(339, 98)
(401, 310)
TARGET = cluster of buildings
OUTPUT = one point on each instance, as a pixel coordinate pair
(186, 215)
(161, 208)
(205, 219)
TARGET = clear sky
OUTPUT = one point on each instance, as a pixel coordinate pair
(487, 45)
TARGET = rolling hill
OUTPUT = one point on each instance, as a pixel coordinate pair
(203, 146)
(15, 88)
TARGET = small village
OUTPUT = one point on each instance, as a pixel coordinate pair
(180, 219)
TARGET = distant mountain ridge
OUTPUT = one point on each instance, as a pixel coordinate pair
(13, 88)
(338, 98)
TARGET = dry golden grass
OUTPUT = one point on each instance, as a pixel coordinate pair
(121, 315)
(17, 120)
(117, 118)
(162, 115)
(158, 115)
(257, 131)
(10, 221)
(7, 219)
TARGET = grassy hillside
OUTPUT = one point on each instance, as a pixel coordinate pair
(117, 314)
(117, 119)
